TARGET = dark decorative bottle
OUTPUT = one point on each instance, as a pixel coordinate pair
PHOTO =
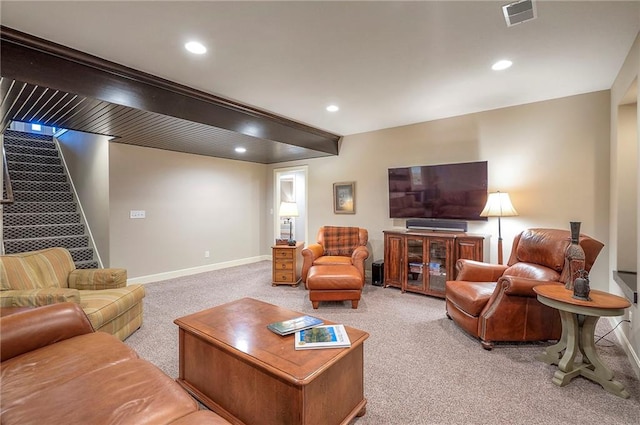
(575, 256)
(581, 286)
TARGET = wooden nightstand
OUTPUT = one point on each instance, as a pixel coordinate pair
(287, 264)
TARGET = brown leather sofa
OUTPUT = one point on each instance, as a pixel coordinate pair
(497, 303)
(56, 370)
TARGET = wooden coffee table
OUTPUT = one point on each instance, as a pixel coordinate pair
(247, 374)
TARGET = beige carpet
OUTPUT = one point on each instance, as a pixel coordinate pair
(419, 367)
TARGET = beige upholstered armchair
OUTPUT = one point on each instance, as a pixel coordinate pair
(495, 302)
(337, 245)
(49, 276)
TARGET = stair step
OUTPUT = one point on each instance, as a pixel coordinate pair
(43, 231)
(31, 150)
(12, 246)
(20, 196)
(38, 159)
(81, 254)
(87, 265)
(40, 186)
(41, 219)
(34, 167)
(37, 177)
(31, 143)
(21, 135)
(40, 207)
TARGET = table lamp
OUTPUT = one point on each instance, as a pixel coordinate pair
(287, 211)
(499, 205)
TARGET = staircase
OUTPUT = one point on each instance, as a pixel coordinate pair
(45, 213)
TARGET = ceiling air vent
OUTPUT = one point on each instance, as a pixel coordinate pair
(519, 12)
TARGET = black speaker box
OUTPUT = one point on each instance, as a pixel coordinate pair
(377, 273)
(434, 224)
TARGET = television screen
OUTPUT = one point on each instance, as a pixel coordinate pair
(448, 191)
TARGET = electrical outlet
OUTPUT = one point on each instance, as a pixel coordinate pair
(206, 254)
(137, 214)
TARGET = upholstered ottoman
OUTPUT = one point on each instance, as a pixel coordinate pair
(334, 283)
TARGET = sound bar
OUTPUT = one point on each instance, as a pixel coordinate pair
(434, 224)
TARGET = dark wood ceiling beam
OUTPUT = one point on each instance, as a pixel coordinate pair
(41, 62)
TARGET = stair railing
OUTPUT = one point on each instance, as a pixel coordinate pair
(6, 180)
(5, 183)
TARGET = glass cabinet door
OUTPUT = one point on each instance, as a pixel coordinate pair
(437, 266)
(415, 265)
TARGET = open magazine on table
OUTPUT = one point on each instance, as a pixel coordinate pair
(326, 336)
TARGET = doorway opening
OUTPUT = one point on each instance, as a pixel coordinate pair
(626, 262)
(290, 186)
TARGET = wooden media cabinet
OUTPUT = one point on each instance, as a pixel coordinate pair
(423, 260)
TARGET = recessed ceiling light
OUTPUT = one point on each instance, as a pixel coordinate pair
(195, 47)
(502, 64)
(241, 150)
(333, 108)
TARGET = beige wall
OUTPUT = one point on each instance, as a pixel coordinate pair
(552, 157)
(193, 204)
(626, 188)
(629, 73)
(87, 159)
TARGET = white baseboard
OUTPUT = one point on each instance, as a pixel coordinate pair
(195, 270)
(626, 345)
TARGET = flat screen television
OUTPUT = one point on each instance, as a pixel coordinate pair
(446, 192)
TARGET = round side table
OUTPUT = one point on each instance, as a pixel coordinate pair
(579, 318)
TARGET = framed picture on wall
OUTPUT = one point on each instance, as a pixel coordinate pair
(344, 198)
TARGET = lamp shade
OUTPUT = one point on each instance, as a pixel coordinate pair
(288, 209)
(498, 205)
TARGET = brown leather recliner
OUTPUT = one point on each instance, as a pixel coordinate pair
(497, 303)
(337, 245)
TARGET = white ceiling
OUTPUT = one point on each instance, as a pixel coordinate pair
(384, 63)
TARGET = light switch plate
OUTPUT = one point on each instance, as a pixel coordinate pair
(137, 214)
